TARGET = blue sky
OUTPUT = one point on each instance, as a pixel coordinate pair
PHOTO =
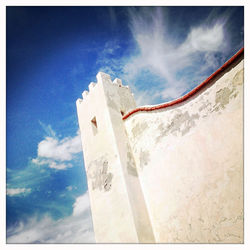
(53, 53)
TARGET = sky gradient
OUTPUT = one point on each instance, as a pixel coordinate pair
(53, 53)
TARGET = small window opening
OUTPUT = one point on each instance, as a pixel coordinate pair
(94, 125)
(122, 113)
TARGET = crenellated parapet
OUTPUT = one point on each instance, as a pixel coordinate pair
(105, 78)
(171, 175)
(109, 163)
(102, 79)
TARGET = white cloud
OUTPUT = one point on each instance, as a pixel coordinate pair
(18, 191)
(61, 150)
(204, 38)
(51, 163)
(57, 153)
(159, 55)
(81, 204)
(59, 166)
(69, 188)
(76, 228)
(163, 56)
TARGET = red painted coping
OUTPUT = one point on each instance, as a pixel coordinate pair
(192, 92)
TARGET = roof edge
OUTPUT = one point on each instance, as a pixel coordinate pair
(193, 91)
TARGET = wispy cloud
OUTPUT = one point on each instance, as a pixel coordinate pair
(58, 153)
(162, 66)
(26, 180)
(69, 188)
(47, 129)
(108, 61)
(76, 228)
(168, 58)
(18, 191)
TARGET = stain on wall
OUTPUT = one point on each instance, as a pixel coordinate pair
(111, 103)
(144, 158)
(191, 157)
(98, 173)
(224, 95)
(131, 167)
(205, 106)
(180, 124)
(139, 128)
(238, 78)
(222, 98)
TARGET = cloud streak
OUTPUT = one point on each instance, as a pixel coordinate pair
(166, 57)
(76, 228)
(18, 191)
(47, 129)
(163, 67)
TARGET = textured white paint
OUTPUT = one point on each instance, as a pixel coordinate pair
(171, 175)
(118, 207)
(190, 164)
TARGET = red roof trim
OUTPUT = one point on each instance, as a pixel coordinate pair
(192, 92)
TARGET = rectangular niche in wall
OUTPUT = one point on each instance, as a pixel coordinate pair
(94, 125)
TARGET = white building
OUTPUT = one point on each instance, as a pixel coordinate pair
(170, 173)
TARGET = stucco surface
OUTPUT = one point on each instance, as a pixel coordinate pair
(106, 184)
(172, 175)
(118, 209)
(189, 161)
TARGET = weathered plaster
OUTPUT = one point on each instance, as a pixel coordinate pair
(111, 103)
(144, 158)
(139, 128)
(222, 98)
(181, 123)
(170, 176)
(104, 164)
(97, 171)
(190, 164)
(131, 164)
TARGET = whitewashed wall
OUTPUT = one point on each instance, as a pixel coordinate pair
(189, 160)
(118, 208)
